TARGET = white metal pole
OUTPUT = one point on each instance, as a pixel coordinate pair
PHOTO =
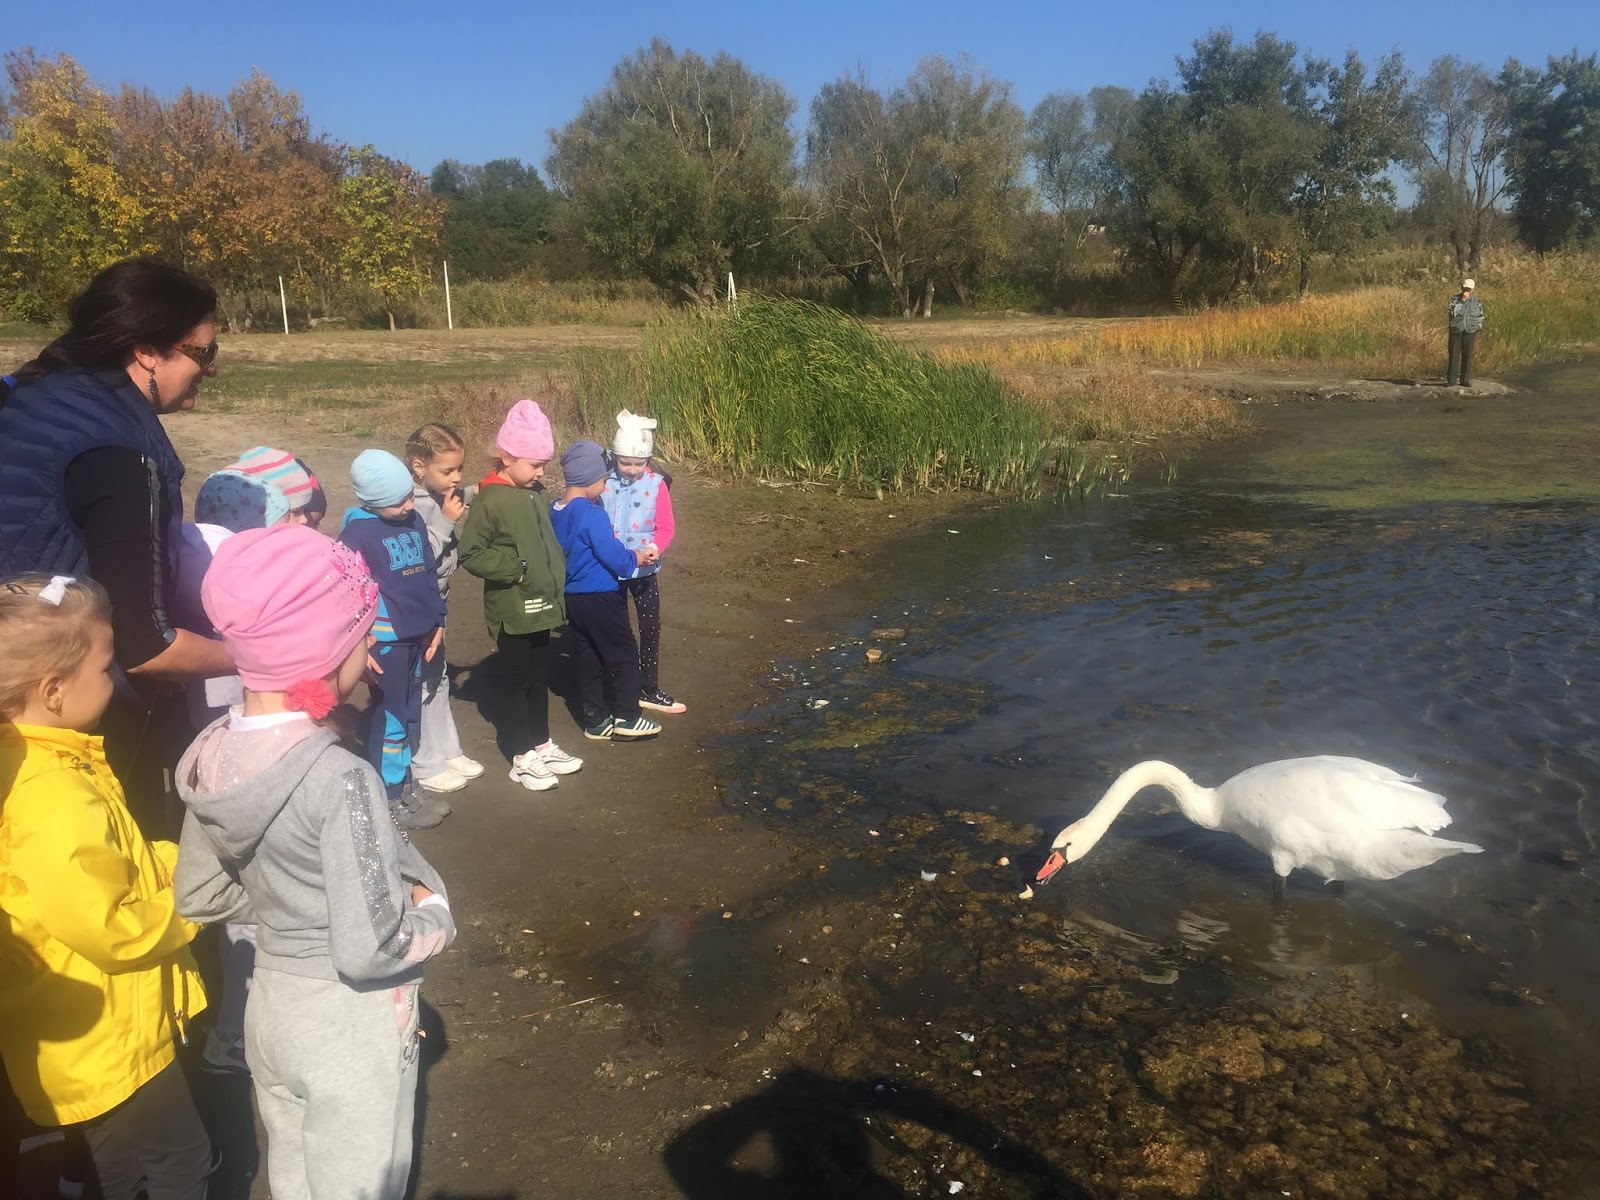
(449, 314)
(733, 292)
(283, 299)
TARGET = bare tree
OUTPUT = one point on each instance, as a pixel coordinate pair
(1457, 162)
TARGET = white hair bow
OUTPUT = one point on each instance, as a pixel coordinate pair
(55, 591)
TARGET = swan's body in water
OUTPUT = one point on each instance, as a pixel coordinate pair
(1344, 818)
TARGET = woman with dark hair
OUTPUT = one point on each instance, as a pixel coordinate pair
(90, 485)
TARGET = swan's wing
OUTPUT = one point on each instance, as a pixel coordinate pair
(1335, 794)
(1356, 767)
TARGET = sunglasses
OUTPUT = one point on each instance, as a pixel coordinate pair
(201, 356)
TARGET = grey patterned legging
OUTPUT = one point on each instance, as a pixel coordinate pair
(647, 600)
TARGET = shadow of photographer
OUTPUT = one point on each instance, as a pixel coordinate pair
(807, 1135)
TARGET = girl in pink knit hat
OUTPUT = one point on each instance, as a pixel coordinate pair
(289, 831)
(509, 544)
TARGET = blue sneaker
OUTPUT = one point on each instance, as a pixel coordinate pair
(600, 731)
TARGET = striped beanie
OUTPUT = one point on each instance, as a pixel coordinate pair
(281, 468)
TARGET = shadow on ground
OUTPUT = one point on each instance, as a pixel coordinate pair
(807, 1135)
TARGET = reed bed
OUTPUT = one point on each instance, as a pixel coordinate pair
(1121, 406)
(1536, 309)
(795, 390)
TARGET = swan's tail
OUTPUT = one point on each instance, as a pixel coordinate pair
(1400, 850)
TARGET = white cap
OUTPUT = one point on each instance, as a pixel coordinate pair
(1468, 284)
(634, 437)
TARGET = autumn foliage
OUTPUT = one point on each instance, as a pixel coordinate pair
(237, 188)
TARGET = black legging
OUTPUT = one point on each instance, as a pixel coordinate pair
(153, 1143)
(646, 595)
(525, 658)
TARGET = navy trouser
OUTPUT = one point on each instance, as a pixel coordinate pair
(1460, 356)
(396, 712)
(605, 654)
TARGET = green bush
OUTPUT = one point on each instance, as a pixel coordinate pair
(793, 389)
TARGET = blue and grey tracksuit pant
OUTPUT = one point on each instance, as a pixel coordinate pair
(396, 712)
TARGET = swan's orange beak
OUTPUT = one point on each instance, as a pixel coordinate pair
(1051, 865)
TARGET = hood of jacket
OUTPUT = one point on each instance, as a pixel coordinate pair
(236, 818)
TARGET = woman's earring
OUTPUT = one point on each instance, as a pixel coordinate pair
(150, 386)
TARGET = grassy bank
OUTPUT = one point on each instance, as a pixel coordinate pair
(792, 389)
(1536, 310)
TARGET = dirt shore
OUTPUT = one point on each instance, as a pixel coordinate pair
(591, 1008)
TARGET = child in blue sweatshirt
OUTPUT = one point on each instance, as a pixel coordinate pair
(389, 534)
(605, 653)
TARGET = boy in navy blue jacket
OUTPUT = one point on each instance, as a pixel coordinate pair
(606, 656)
(389, 534)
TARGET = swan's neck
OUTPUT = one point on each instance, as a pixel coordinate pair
(1198, 803)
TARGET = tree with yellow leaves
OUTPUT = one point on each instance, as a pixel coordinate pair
(64, 211)
(392, 226)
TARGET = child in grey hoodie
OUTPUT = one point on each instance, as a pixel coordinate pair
(287, 830)
(436, 455)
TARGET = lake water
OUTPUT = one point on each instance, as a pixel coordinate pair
(1414, 584)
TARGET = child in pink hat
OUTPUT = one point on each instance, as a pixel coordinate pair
(509, 544)
(289, 831)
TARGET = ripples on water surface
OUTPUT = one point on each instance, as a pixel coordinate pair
(1212, 628)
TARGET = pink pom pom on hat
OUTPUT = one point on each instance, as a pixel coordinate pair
(526, 433)
(289, 603)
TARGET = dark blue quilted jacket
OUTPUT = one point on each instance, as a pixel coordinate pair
(44, 425)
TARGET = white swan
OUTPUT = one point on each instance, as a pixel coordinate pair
(1344, 818)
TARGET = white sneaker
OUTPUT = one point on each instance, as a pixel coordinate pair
(467, 768)
(557, 759)
(530, 771)
(447, 780)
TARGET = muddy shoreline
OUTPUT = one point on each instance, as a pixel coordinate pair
(660, 993)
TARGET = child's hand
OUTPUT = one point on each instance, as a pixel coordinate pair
(433, 646)
(419, 893)
(372, 664)
(652, 554)
(643, 556)
(452, 506)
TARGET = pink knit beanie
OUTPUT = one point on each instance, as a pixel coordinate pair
(526, 433)
(289, 603)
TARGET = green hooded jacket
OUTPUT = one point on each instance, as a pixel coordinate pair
(508, 543)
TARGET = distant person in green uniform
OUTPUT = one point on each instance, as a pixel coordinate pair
(1466, 318)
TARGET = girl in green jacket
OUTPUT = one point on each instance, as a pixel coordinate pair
(509, 544)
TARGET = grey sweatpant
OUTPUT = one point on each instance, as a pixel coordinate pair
(335, 1073)
(437, 741)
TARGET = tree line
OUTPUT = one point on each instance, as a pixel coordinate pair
(1243, 170)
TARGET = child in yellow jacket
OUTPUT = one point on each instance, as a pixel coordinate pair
(97, 981)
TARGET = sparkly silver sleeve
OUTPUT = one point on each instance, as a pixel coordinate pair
(377, 872)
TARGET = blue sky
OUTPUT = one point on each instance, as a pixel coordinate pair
(474, 81)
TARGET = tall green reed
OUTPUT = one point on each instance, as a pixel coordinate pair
(793, 389)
